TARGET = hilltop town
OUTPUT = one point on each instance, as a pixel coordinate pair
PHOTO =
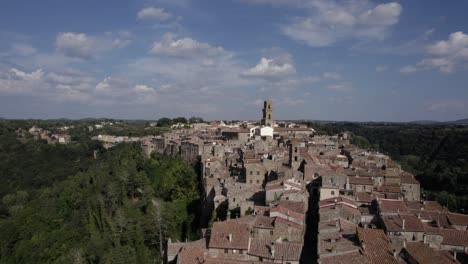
(279, 193)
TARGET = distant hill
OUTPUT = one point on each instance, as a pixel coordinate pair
(460, 121)
(424, 122)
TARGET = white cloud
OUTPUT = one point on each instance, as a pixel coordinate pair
(270, 69)
(82, 46)
(428, 33)
(76, 45)
(457, 44)
(143, 88)
(331, 75)
(445, 55)
(381, 68)
(185, 48)
(408, 69)
(35, 75)
(330, 22)
(342, 87)
(154, 13)
(23, 49)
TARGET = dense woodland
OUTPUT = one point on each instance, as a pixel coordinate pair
(436, 154)
(60, 204)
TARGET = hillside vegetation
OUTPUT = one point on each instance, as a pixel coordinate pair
(60, 205)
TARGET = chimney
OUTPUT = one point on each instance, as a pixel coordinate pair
(403, 224)
(272, 248)
(230, 237)
(454, 256)
(404, 243)
(337, 223)
(394, 254)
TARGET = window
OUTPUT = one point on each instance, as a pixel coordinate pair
(295, 149)
(226, 251)
(233, 199)
(295, 158)
(258, 173)
(332, 192)
(241, 251)
(271, 232)
(251, 172)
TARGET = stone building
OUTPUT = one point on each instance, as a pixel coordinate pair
(267, 119)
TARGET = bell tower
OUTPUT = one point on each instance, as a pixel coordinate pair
(267, 119)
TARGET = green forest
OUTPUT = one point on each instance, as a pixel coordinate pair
(436, 154)
(63, 204)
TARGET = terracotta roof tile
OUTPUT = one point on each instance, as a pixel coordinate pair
(458, 219)
(222, 231)
(392, 206)
(361, 180)
(422, 253)
(376, 246)
(353, 257)
(455, 237)
(287, 251)
(395, 223)
(264, 222)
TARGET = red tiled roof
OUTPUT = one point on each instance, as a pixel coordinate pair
(364, 197)
(394, 206)
(395, 223)
(376, 246)
(422, 253)
(354, 257)
(221, 231)
(287, 251)
(264, 222)
(192, 252)
(297, 207)
(361, 180)
(281, 221)
(458, 219)
(339, 199)
(455, 237)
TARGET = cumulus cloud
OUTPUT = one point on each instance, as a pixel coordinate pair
(35, 75)
(331, 21)
(444, 55)
(143, 88)
(270, 69)
(85, 47)
(154, 13)
(77, 45)
(171, 46)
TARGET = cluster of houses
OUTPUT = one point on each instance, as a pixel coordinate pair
(276, 194)
(51, 138)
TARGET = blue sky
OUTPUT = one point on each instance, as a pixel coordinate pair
(356, 60)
